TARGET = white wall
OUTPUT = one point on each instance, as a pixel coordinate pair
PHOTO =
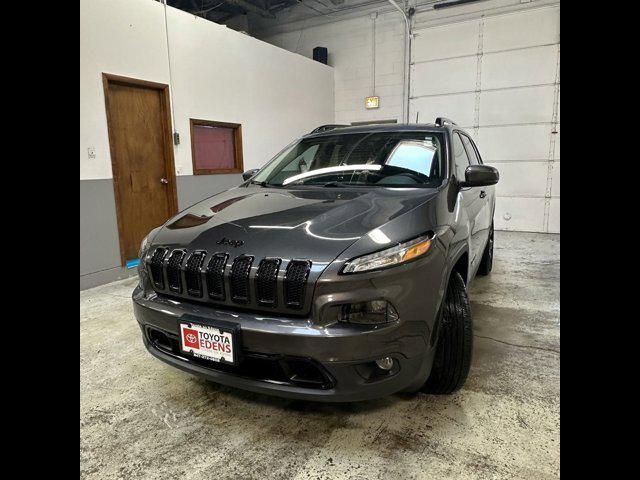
(349, 43)
(218, 74)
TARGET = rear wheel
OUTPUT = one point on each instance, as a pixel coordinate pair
(486, 264)
(455, 343)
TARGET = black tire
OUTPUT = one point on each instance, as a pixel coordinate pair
(455, 342)
(486, 264)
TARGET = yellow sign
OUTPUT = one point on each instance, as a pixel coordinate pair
(372, 102)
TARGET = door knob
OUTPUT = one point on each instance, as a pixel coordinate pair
(164, 181)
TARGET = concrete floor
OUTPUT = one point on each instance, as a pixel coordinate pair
(140, 418)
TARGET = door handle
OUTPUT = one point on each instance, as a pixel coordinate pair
(483, 194)
(164, 181)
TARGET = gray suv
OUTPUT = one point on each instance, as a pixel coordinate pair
(337, 272)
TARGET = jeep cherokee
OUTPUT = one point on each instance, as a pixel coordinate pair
(337, 272)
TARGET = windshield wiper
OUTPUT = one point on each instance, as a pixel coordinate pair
(255, 182)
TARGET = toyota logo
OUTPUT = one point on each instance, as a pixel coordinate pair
(191, 338)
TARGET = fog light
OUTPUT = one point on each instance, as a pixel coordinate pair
(385, 363)
(372, 312)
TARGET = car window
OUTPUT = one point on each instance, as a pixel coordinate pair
(471, 151)
(413, 155)
(392, 159)
(460, 157)
(302, 161)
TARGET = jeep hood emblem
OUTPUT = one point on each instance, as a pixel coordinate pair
(233, 243)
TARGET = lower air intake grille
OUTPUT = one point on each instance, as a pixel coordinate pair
(155, 266)
(173, 270)
(295, 282)
(192, 274)
(215, 276)
(266, 282)
(239, 279)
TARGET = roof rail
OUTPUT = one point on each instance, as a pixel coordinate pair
(440, 121)
(326, 128)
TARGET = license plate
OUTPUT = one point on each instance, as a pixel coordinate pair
(208, 342)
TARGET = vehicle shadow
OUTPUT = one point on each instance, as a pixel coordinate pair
(302, 406)
(386, 428)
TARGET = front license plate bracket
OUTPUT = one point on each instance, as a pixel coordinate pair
(220, 326)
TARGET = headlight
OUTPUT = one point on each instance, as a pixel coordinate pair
(391, 256)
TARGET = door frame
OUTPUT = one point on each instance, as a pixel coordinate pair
(109, 79)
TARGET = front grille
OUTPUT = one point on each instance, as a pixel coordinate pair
(239, 279)
(295, 281)
(267, 282)
(192, 274)
(155, 267)
(215, 276)
(204, 276)
(173, 270)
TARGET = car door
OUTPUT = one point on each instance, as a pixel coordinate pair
(485, 194)
(470, 201)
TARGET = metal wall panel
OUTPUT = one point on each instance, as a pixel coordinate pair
(517, 105)
(498, 76)
(521, 179)
(517, 68)
(444, 76)
(447, 41)
(524, 214)
(459, 106)
(521, 29)
(554, 216)
(555, 179)
(515, 142)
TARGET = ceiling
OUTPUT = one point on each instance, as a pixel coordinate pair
(220, 11)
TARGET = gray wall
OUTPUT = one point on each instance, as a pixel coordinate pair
(99, 243)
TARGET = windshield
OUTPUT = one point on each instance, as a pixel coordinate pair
(403, 159)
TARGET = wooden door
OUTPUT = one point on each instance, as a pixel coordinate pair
(141, 156)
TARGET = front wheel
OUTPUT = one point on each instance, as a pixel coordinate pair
(455, 342)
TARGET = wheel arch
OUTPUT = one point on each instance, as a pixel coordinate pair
(459, 263)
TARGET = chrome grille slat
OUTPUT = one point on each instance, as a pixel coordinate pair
(174, 276)
(267, 282)
(239, 279)
(215, 276)
(295, 282)
(192, 274)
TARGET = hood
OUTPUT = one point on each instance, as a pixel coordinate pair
(298, 223)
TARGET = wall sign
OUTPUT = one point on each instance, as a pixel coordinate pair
(372, 102)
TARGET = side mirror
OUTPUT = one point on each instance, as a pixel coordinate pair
(480, 176)
(249, 173)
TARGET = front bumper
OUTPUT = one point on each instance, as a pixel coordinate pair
(344, 354)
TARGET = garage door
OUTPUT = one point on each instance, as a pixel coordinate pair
(499, 77)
